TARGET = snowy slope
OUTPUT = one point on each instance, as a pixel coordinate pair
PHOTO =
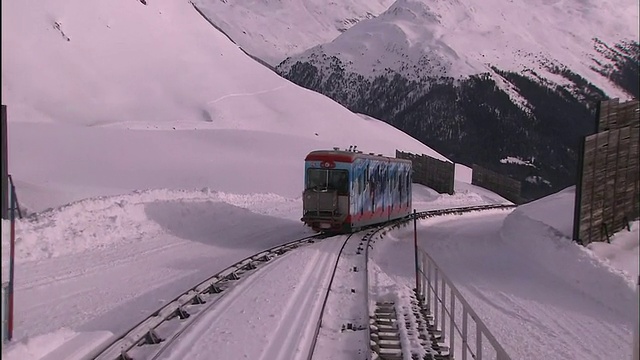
(484, 81)
(275, 30)
(428, 38)
(164, 241)
(540, 294)
(155, 141)
(198, 146)
(77, 111)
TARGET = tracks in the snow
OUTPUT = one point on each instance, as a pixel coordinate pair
(175, 317)
(301, 325)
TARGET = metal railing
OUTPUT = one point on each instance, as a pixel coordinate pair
(442, 299)
(145, 331)
(7, 288)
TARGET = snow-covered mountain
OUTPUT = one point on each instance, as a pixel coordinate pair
(478, 81)
(167, 154)
(274, 30)
(481, 81)
(429, 38)
(83, 81)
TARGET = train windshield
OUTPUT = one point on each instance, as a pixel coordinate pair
(321, 179)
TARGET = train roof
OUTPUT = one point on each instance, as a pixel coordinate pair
(348, 156)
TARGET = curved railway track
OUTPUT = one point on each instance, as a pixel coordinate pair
(195, 301)
(160, 330)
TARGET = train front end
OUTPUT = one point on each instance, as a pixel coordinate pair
(325, 199)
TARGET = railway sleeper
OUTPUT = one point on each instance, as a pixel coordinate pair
(264, 258)
(150, 338)
(214, 289)
(249, 266)
(124, 356)
(180, 313)
(430, 336)
(385, 335)
(197, 300)
(232, 276)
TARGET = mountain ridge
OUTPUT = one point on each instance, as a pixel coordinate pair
(552, 87)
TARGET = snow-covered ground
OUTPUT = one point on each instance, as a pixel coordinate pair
(539, 293)
(165, 154)
(518, 269)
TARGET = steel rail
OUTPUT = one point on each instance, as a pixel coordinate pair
(324, 302)
(368, 236)
(144, 331)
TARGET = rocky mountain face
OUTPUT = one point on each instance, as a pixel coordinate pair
(480, 82)
(525, 102)
(272, 30)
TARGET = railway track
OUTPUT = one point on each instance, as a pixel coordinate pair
(175, 317)
(151, 338)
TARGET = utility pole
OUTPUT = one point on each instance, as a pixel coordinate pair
(4, 202)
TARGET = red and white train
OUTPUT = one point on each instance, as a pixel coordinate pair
(347, 190)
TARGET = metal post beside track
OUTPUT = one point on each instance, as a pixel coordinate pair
(415, 245)
(636, 332)
(12, 252)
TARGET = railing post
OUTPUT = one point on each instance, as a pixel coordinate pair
(452, 333)
(435, 297)
(464, 333)
(443, 310)
(423, 283)
(12, 251)
(428, 292)
(415, 245)
(636, 335)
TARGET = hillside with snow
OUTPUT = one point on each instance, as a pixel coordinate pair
(155, 97)
(150, 152)
(430, 39)
(483, 81)
(275, 30)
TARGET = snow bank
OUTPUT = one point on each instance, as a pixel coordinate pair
(541, 295)
(623, 252)
(101, 222)
(568, 261)
(61, 344)
(556, 212)
(38, 346)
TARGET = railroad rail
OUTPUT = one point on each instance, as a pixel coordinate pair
(384, 344)
(318, 324)
(198, 299)
(385, 341)
(359, 252)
